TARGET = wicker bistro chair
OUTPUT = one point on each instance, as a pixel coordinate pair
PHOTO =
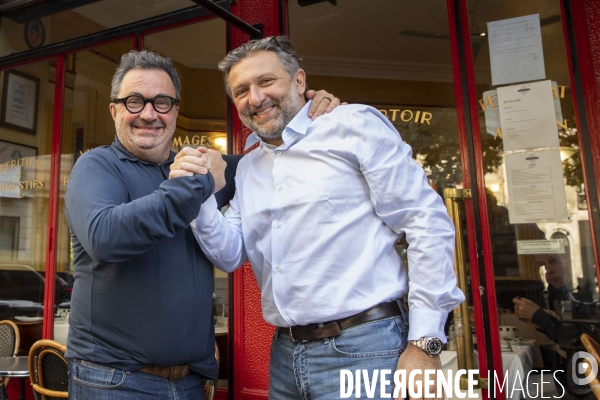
(48, 370)
(9, 345)
(592, 347)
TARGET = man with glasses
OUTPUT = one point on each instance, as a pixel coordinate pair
(141, 321)
(317, 210)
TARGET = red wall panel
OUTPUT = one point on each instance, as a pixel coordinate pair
(591, 42)
(585, 16)
(252, 335)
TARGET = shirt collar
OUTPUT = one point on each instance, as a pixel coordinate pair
(299, 124)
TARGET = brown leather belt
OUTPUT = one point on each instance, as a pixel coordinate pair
(334, 328)
(171, 373)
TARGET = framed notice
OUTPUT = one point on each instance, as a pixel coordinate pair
(17, 163)
(516, 51)
(20, 93)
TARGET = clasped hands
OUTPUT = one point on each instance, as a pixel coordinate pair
(190, 161)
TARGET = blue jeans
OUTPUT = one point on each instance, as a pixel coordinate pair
(89, 381)
(311, 370)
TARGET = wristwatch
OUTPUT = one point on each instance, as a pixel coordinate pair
(430, 345)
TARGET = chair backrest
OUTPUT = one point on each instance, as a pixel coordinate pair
(594, 383)
(9, 339)
(592, 347)
(48, 369)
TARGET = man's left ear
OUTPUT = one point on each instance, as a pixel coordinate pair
(300, 79)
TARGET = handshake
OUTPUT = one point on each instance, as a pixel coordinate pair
(190, 161)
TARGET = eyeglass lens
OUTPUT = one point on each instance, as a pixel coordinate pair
(161, 104)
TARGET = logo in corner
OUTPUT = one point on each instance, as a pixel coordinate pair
(582, 362)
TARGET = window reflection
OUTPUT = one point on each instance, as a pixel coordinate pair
(549, 297)
(25, 137)
(66, 20)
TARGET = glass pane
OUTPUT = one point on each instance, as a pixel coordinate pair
(546, 283)
(25, 138)
(383, 65)
(60, 23)
(87, 124)
(202, 122)
(394, 56)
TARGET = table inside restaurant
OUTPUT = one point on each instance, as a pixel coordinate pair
(61, 330)
(524, 329)
(15, 367)
(518, 359)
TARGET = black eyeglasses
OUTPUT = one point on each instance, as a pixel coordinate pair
(135, 103)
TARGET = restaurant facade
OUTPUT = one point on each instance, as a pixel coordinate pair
(500, 102)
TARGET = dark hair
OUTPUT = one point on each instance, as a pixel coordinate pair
(144, 59)
(280, 45)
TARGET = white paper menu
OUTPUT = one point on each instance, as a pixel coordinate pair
(535, 187)
(527, 116)
(516, 53)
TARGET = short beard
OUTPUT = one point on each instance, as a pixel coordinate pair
(288, 106)
(153, 152)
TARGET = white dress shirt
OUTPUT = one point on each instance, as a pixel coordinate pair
(318, 217)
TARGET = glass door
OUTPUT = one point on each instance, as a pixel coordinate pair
(539, 226)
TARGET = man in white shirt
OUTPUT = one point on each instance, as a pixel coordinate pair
(317, 210)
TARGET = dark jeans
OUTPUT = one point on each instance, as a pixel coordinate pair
(89, 381)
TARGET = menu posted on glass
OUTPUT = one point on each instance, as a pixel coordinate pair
(516, 50)
(527, 116)
(536, 188)
(489, 105)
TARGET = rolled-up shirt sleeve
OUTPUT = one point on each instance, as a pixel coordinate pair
(406, 203)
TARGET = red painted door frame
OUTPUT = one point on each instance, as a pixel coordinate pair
(252, 335)
(473, 178)
(49, 286)
(585, 17)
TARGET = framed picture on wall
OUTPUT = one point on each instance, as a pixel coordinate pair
(13, 151)
(20, 95)
(17, 164)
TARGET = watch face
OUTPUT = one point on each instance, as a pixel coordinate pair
(433, 346)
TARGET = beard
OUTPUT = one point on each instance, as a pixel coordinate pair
(149, 148)
(272, 128)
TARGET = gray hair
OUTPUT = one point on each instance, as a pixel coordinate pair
(148, 60)
(280, 45)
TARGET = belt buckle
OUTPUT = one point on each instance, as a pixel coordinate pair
(292, 335)
(171, 373)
